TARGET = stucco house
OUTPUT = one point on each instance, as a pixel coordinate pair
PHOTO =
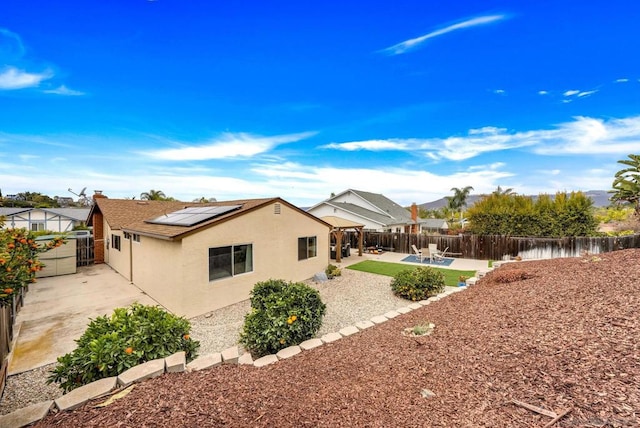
(51, 219)
(194, 258)
(373, 210)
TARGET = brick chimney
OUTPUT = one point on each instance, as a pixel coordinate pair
(414, 217)
(97, 194)
(98, 230)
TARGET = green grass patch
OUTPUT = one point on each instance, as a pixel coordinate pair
(451, 276)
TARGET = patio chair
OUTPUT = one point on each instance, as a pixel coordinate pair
(436, 255)
(419, 254)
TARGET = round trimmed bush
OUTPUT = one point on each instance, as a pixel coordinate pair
(283, 314)
(418, 284)
(130, 336)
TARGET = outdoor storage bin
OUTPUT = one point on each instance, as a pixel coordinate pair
(58, 261)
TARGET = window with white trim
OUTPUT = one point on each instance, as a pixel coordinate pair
(307, 247)
(232, 260)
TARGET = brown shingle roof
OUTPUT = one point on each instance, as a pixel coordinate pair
(130, 215)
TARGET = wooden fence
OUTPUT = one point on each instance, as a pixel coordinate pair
(7, 319)
(497, 247)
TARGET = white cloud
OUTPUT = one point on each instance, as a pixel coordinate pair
(549, 171)
(403, 47)
(584, 135)
(622, 80)
(12, 78)
(577, 93)
(229, 145)
(499, 91)
(586, 93)
(63, 90)
(543, 92)
(591, 136)
(372, 145)
(487, 130)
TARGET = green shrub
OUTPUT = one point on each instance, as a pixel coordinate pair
(130, 336)
(332, 271)
(283, 314)
(418, 284)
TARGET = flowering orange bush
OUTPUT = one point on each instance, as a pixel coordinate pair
(282, 314)
(19, 261)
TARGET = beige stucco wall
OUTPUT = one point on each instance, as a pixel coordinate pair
(118, 260)
(176, 274)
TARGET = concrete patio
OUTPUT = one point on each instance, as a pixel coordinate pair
(58, 309)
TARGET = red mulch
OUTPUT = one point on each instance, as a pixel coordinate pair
(566, 337)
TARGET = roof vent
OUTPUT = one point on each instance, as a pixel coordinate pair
(276, 208)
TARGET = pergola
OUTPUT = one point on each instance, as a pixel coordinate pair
(340, 225)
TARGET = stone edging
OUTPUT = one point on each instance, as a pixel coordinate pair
(177, 363)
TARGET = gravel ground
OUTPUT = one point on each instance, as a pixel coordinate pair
(354, 296)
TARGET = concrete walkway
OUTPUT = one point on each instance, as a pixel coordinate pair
(58, 309)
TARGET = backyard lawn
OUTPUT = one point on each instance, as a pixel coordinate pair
(451, 276)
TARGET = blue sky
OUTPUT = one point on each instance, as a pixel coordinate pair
(301, 99)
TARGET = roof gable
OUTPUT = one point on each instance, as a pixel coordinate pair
(372, 206)
(78, 214)
(402, 215)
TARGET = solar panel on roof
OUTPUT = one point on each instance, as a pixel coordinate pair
(192, 215)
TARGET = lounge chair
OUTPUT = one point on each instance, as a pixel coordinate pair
(436, 255)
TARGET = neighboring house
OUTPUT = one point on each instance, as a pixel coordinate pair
(433, 226)
(373, 210)
(51, 219)
(194, 258)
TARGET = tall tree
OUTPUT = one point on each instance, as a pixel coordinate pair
(153, 195)
(626, 185)
(459, 199)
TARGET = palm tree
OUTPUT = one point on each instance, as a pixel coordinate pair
(626, 185)
(459, 199)
(506, 192)
(153, 195)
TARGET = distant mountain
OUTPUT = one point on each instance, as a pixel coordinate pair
(600, 199)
